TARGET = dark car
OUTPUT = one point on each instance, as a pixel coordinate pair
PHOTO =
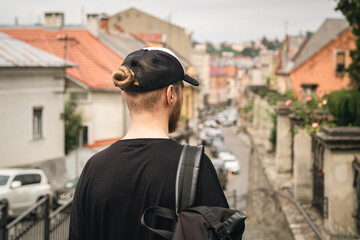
(219, 165)
(220, 149)
(62, 195)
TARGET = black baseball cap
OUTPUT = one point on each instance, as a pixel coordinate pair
(155, 68)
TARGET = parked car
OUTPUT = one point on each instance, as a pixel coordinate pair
(62, 195)
(22, 188)
(231, 162)
(207, 134)
(219, 165)
(216, 151)
(216, 142)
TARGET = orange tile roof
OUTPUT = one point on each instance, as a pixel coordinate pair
(149, 37)
(96, 61)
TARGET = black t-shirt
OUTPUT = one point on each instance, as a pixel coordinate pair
(120, 182)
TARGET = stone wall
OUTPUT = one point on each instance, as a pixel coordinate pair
(281, 184)
(263, 207)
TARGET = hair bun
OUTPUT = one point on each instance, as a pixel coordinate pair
(124, 77)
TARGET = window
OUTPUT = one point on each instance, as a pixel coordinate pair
(340, 61)
(37, 122)
(309, 89)
(85, 135)
(3, 180)
(79, 97)
(28, 179)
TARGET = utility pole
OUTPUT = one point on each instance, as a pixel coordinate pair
(66, 41)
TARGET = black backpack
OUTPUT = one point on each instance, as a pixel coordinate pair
(196, 222)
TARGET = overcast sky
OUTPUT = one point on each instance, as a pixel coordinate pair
(209, 20)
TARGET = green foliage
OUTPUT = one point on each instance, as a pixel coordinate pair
(250, 52)
(271, 45)
(344, 105)
(210, 49)
(183, 118)
(273, 97)
(310, 113)
(247, 108)
(272, 137)
(194, 43)
(72, 127)
(351, 10)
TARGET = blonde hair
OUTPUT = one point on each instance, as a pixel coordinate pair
(124, 77)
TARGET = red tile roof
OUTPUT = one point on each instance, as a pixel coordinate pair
(149, 37)
(215, 71)
(96, 61)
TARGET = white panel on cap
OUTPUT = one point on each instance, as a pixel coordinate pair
(167, 51)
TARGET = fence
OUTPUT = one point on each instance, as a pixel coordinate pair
(356, 166)
(319, 201)
(36, 223)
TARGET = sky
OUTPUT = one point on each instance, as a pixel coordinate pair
(231, 21)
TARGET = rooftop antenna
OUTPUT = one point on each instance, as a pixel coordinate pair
(16, 21)
(286, 28)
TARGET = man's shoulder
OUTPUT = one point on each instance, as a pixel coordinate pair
(121, 147)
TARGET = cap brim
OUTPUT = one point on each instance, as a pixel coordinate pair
(191, 80)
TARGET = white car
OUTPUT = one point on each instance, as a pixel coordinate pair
(231, 162)
(22, 188)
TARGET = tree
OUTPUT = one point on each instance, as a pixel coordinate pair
(251, 52)
(351, 10)
(210, 49)
(72, 127)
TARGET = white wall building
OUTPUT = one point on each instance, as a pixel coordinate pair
(31, 105)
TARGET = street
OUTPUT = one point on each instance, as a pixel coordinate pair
(237, 183)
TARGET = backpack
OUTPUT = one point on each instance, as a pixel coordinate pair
(195, 222)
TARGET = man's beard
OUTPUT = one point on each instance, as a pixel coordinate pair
(174, 117)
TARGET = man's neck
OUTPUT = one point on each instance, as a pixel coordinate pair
(147, 125)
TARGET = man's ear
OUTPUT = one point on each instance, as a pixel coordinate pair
(170, 94)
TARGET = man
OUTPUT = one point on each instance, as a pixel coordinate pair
(139, 171)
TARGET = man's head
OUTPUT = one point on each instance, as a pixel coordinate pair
(150, 74)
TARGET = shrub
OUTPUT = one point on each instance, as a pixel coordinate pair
(344, 105)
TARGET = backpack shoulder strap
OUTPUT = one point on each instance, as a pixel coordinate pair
(187, 176)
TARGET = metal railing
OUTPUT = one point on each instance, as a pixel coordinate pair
(320, 202)
(31, 224)
(36, 223)
(60, 222)
(234, 199)
(356, 166)
(3, 218)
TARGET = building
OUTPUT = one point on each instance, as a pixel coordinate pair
(32, 85)
(255, 77)
(218, 87)
(291, 47)
(233, 84)
(319, 67)
(89, 86)
(268, 61)
(135, 21)
(201, 60)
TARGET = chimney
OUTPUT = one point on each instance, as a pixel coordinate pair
(92, 24)
(54, 19)
(104, 22)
